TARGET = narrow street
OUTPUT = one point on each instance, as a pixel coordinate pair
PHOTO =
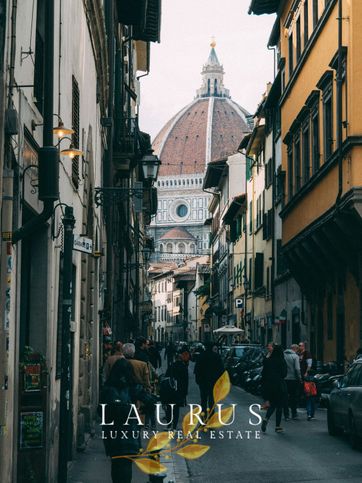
(304, 453)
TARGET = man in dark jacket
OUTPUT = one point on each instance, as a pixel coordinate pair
(208, 369)
(141, 353)
(154, 355)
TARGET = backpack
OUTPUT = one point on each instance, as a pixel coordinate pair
(118, 402)
(168, 390)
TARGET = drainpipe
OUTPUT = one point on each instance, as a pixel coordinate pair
(107, 164)
(339, 101)
(48, 162)
(66, 382)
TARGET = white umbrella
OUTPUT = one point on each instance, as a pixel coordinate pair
(228, 330)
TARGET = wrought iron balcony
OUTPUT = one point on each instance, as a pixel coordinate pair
(126, 143)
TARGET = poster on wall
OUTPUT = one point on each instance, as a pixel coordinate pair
(31, 430)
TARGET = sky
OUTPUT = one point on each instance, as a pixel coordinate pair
(187, 28)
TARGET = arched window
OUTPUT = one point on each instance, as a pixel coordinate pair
(215, 87)
(169, 247)
(181, 248)
(192, 248)
(208, 87)
(161, 248)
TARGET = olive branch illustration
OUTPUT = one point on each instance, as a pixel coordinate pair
(148, 460)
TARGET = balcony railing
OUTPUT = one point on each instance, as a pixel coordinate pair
(126, 143)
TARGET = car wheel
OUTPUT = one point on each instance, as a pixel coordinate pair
(332, 428)
(353, 438)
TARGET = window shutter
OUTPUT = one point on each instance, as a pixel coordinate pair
(259, 270)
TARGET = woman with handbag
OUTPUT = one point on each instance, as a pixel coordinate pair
(119, 393)
(274, 373)
(178, 372)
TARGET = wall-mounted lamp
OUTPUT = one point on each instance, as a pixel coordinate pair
(150, 165)
(61, 131)
(71, 151)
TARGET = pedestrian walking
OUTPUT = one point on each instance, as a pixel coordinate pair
(208, 369)
(306, 362)
(293, 381)
(154, 355)
(266, 403)
(141, 353)
(170, 352)
(178, 372)
(120, 391)
(274, 373)
(117, 353)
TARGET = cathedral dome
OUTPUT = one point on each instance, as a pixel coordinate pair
(211, 127)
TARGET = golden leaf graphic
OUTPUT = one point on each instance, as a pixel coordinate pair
(149, 466)
(193, 451)
(158, 441)
(222, 387)
(186, 426)
(225, 416)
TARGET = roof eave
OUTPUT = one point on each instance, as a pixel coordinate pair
(260, 7)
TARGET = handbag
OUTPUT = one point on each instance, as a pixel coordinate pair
(168, 389)
(310, 389)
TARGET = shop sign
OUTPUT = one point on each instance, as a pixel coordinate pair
(83, 244)
(31, 430)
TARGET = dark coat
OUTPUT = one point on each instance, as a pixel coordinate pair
(155, 358)
(119, 386)
(208, 368)
(273, 375)
(141, 355)
(179, 371)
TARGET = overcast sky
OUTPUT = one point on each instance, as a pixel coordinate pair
(176, 63)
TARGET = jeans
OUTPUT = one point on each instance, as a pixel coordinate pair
(310, 405)
(278, 415)
(292, 403)
(121, 471)
(207, 398)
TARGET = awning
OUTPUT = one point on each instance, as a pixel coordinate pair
(259, 7)
(237, 204)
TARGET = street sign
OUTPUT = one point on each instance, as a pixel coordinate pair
(83, 244)
(239, 303)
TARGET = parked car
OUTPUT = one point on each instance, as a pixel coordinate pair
(237, 359)
(345, 405)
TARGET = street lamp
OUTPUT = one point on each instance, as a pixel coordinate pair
(71, 151)
(150, 165)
